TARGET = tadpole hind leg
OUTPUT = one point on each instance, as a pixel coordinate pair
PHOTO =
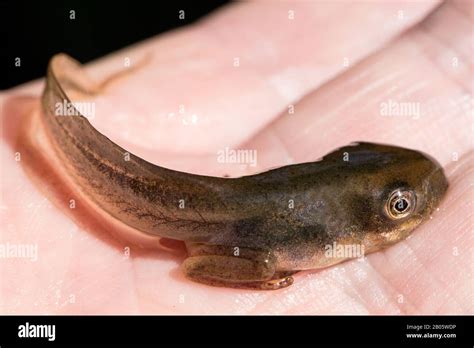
(279, 280)
(230, 267)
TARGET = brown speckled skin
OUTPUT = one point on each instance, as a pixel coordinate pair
(244, 232)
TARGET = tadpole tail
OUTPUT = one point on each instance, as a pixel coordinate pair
(145, 196)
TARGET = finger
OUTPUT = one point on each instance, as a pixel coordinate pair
(231, 74)
(400, 96)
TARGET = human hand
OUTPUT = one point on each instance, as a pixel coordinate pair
(241, 73)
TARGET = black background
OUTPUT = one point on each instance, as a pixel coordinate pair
(36, 30)
(288, 331)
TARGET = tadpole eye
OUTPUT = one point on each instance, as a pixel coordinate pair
(400, 203)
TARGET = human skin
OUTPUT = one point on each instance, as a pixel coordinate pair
(82, 264)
